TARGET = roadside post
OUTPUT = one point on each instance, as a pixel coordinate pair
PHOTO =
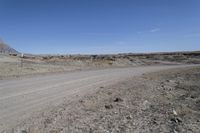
(22, 56)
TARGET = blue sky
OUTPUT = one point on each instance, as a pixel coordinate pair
(100, 26)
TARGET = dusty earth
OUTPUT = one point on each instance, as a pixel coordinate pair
(163, 101)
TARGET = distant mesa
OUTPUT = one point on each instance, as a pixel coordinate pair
(5, 49)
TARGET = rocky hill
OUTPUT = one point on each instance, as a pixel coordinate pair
(5, 49)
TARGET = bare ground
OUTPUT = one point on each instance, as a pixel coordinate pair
(164, 101)
(20, 98)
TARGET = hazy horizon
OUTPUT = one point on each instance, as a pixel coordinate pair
(100, 27)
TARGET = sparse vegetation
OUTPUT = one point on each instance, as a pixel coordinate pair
(10, 65)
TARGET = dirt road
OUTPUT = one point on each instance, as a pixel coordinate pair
(21, 98)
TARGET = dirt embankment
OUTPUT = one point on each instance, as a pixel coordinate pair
(166, 101)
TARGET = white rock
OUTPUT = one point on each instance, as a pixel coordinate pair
(174, 112)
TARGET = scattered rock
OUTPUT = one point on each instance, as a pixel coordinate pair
(118, 100)
(173, 120)
(145, 105)
(110, 106)
(175, 131)
(144, 109)
(193, 97)
(174, 112)
(129, 117)
(24, 131)
(179, 120)
(176, 119)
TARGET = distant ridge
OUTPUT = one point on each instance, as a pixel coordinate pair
(5, 49)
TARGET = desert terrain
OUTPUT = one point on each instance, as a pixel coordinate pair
(99, 66)
(12, 65)
(156, 92)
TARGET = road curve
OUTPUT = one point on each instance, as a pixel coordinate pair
(19, 98)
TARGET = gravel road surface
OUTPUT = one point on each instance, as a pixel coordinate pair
(21, 98)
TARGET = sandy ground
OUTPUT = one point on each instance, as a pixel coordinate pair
(82, 102)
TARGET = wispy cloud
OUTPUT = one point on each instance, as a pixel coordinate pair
(154, 30)
(147, 31)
